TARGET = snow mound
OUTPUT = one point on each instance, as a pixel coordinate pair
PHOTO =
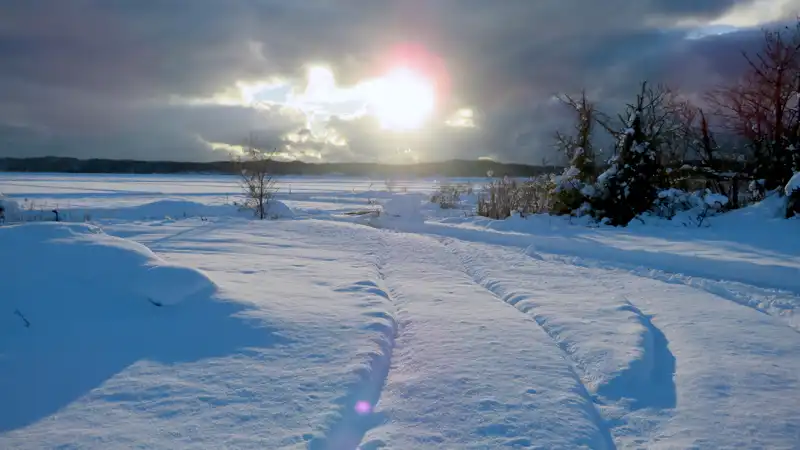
(174, 208)
(715, 200)
(401, 210)
(178, 209)
(407, 206)
(278, 210)
(756, 215)
(171, 208)
(793, 184)
(10, 207)
(59, 272)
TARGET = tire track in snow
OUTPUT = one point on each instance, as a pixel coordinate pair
(778, 304)
(511, 299)
(647, 383)
(200, 229)
(645, 372)
(357, 414)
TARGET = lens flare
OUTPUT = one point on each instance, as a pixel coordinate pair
(363, 407)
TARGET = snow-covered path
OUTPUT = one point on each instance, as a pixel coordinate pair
(341, 335)
(460, 368)
(469, 371)
(629, 335)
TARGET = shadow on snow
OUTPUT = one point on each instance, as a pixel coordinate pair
(54, 363)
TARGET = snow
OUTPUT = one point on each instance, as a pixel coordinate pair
(611, 172)
(715, 200)
(427, 329)
(76, 303)
(407, 208)
(159, 209)
(793, 184)
(76, 258)
(10, 207)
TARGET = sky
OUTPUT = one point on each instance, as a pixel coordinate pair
(388, 81)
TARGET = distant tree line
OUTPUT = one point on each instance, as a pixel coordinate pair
(453, 168)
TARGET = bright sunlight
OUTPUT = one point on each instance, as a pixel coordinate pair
(402, 100)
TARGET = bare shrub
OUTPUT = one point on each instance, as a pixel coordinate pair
(449, 195)
(257, 183)
(499, 198)
(536, 196)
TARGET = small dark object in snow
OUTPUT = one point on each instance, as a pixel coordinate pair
(360, 212)
(27, 324)
(159, 304)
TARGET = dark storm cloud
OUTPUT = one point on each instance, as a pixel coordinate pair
(93, 77)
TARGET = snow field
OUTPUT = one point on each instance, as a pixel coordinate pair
(416, 328)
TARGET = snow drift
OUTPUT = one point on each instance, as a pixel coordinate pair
(78, 307)
(10, 207)
(401, 208)
(174, 208)
(56, 271)
(171, 208)
(177, 209)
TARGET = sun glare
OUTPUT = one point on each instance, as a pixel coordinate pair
(402, 100)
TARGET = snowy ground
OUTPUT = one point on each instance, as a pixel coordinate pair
(188, 325)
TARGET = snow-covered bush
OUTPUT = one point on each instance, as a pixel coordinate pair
(792, 191)
(630, 184)
(634, 175)
(567, 192)
(693, 207)
(568, 196)
(672, 201)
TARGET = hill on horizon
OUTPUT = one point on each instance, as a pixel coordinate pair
(452, 168)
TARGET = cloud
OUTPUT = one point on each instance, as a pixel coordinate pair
(93, 78)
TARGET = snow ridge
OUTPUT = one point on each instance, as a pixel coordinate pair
(649, 380)
(358, 415)
(779, 304)
(513, 299)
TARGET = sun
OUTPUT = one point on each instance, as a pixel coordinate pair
(402, 99)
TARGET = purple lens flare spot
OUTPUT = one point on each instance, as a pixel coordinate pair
(363, 407)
